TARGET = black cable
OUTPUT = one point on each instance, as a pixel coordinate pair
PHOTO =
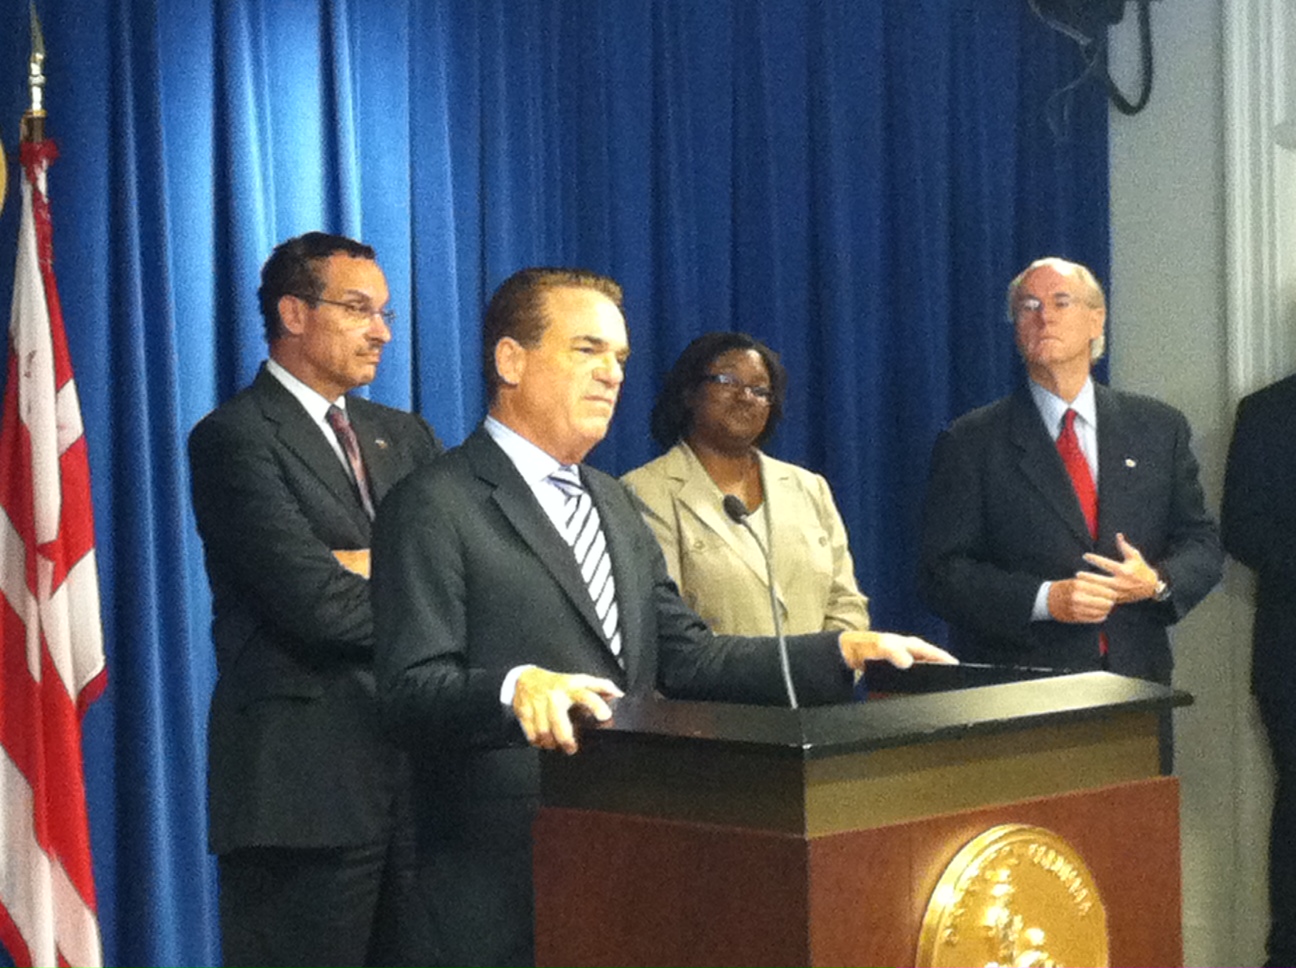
(1145, 47)
(1092, 39)
(1057, 110)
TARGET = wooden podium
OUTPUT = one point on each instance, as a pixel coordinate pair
(717, 834)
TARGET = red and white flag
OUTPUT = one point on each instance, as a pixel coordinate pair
(51, 639)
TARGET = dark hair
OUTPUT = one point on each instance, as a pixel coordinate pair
(292, 270)
(517, 310)
(672, 413)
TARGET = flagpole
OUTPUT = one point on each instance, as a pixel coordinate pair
(33, 119)
(51, 634)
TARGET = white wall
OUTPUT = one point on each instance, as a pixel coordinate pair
(1171, 338)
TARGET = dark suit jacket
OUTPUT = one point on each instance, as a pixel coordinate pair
(296, 753)
(1259, 524)
(1001, 517)
(471, 579)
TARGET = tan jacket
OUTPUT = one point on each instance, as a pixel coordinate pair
(717, 565)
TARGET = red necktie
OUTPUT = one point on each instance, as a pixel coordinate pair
(346, 436)
(1073, 458)
(1077, 467)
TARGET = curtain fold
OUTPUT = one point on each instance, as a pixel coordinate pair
(854, 183)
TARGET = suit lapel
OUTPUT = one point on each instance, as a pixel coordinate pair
(700, 496)
(374, 447)
(1118, 454)
(1041, 464)
(516, 502)
(300, 435)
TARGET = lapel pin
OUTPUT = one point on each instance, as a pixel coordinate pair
(380, 443)
(1130, 462)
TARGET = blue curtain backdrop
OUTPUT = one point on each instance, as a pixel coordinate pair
(853, 181)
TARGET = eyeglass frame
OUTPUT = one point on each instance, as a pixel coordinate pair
(1061, 302)
(388, 316)
(761, 394)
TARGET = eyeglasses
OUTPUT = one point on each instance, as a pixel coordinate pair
(353, 309)
(1033, 304)
(760, 393)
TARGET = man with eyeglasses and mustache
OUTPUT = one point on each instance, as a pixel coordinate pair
(309, 808)
(1064, 525)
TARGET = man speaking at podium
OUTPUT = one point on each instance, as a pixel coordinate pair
(1064, 525)
(514, 587)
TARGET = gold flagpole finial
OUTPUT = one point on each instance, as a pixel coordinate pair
(33, 122)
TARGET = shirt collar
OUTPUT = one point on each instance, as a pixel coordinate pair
(531, 462)
(1051, 407)
(315, 404)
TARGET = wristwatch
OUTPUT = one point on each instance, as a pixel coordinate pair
(1162, 592)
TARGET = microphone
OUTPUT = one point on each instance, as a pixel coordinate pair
(738, 512)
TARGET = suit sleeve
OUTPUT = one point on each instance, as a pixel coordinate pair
(958, 576)
(693, 663)
(417, 435)
(847, 607)
(426, 687)
(1258, 516)
(1193, 560)
(257, 536)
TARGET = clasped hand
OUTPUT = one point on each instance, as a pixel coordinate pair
(1090, 596)
(356, 560)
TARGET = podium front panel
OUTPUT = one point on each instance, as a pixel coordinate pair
(619, 890)
(705, 834)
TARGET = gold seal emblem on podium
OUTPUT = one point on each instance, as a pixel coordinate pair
(1015, 895)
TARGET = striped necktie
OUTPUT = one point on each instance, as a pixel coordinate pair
(583, 530)
(346, 435)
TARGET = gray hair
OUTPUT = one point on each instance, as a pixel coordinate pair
(1093, 294)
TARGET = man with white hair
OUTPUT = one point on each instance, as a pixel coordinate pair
(1064, 525)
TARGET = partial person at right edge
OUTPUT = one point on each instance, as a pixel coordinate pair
(1259, 526)
(1064, 525)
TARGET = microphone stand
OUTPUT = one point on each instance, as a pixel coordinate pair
(738, 513)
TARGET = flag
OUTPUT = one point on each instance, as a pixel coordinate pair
(51, 639)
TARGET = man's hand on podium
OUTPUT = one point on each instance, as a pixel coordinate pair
(543, 702)
(901, 651)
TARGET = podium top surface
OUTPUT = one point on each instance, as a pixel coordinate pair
(883, 723)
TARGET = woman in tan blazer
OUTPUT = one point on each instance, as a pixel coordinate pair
(722, 399)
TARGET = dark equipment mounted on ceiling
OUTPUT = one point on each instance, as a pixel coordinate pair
(1086, 22)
